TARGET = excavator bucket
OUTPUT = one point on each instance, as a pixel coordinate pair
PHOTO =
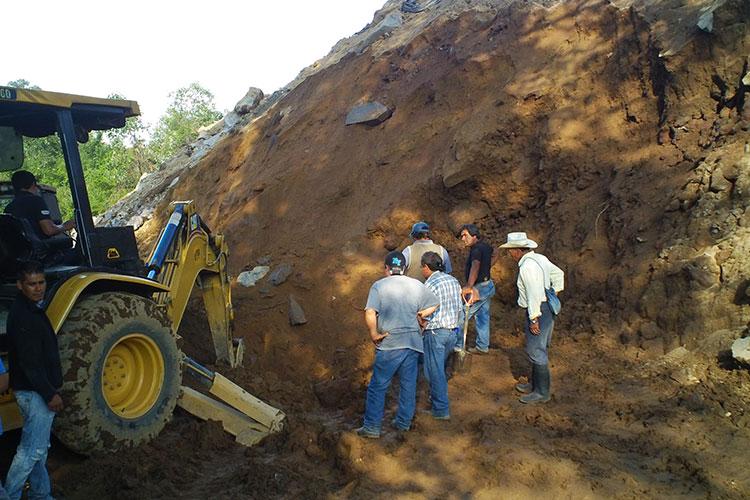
(241, 414)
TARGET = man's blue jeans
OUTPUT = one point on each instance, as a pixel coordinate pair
(538, 345)
(480, 311)
(31, 456)
(387, 364)
(438, 344)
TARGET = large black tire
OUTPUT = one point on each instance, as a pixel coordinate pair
(94, 327)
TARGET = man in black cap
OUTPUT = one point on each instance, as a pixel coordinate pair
(394, 305)
(29, 205)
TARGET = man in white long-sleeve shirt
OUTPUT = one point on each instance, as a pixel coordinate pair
(535, 274)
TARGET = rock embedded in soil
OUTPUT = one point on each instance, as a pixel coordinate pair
(371, 113)
(741, 350)
(296, 313)
(719, 182)
(250, 278)
(280, 274)
(249, 102)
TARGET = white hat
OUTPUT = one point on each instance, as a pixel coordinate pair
(519, 240)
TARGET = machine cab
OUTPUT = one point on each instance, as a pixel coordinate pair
(26, 114)
(33, 114)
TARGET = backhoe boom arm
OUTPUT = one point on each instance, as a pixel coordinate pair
(187, 254)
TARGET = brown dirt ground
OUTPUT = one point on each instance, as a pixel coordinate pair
(555, 122)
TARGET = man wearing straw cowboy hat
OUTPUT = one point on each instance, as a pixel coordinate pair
(539, 280)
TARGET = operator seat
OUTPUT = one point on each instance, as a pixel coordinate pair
(14, 245)
(19, 241)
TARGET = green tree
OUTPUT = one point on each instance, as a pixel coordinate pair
(113, 161)
(191, 108)
(22, 84)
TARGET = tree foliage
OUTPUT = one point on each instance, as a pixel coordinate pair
(191, 108)
(114, 160)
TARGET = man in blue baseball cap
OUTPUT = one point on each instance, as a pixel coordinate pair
(394, 306)
(420, 232)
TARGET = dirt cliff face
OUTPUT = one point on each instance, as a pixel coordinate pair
(567, 123)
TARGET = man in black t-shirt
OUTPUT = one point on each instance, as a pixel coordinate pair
(479, 286)
(29, 205)
(36, 378)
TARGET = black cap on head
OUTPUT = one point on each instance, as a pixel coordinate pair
(22, 179)
(396, 262)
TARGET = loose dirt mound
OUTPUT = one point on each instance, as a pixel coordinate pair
(565, 123)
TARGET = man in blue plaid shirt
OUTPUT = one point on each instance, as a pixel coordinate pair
(439, 335)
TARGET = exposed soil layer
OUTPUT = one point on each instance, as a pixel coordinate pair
(565, 123)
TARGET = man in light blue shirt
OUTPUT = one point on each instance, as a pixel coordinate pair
(394, 305)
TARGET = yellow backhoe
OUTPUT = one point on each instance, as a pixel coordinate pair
(117, 317)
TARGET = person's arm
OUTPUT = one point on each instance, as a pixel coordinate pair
(424, 313)
(49, 228)
(55, 404)
(429, 303)
(42, 215)
(533, 280)
(447, 262)
(29, 347)
(469, 290)
(4, 377)
(557, 277)
(407, 256)
(371, 320)
(495, 255)
(473, 273)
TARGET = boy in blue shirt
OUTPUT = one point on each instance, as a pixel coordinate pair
(3, 388)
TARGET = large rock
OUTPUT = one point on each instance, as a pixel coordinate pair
(741, 350)
(371, 113)
(231, 119)
(249, 102)
(384, 27)
(703, 272)
(250, 278)
(719, 182)
(296, 314)
(280, 274)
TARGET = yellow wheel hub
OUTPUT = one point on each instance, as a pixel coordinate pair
(133, 376)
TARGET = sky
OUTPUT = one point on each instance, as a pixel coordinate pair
(144, 50)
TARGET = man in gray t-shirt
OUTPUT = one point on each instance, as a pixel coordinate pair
(393, 305)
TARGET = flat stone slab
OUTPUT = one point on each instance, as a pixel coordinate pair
(371, 113)
(296, 314)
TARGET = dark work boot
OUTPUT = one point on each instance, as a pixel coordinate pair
(525, 388)
(528, 387)
(541, 379)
